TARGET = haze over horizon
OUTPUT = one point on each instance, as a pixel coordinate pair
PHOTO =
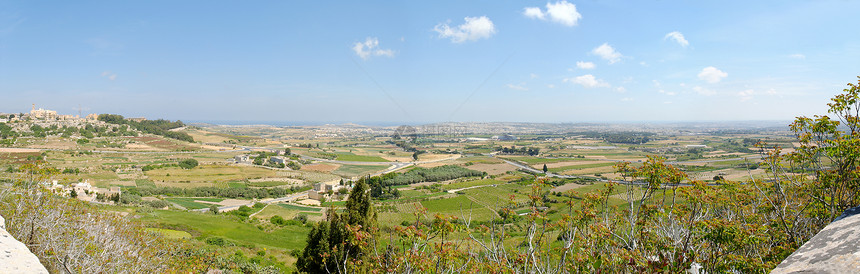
(424, 62)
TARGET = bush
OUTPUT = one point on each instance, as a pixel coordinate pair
(218, 241)
(157, 204)
(303, 218)
(278, 220)
(188, 163)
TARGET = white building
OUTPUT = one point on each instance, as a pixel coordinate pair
(322, 189)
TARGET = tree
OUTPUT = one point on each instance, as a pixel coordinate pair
(213, 209)
(545, 169)
(188, 163)
(73, 194)
(342, 243)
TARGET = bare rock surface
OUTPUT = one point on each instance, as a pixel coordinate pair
(835, 249)
(15, 257)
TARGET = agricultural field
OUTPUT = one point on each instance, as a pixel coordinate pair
(209, 174)
(151, 163)
(350, 171)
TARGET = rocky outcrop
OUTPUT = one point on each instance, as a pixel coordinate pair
(14, 255)
(835, 249)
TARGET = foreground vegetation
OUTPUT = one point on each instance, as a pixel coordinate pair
(663, 226)
(470, 213)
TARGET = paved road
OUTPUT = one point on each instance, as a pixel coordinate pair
(288, 198)
(471, 187)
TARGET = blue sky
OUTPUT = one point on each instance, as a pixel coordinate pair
(433, 61)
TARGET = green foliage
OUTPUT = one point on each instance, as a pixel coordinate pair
(620, 137)
(188, 163)
(278, 220)
(342, 238)
(434, 174)
(246, 193)
(158, 127)
(522, 150)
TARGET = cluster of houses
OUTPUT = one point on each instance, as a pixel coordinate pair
(44, 115)
(84, 191)
(247, 159)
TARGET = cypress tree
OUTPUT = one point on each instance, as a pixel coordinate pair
(331, 242)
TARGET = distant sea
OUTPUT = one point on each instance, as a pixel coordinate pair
(295, 123)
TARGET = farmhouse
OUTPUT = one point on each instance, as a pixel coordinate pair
(242, 159)
(322, 189)
(278, 160)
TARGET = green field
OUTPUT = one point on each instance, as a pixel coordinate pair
(451, 204)
(471, 183)
(190, 203)
(208, 225)
(300, 208)
(170, 233)
(499, 196)
(236, 185)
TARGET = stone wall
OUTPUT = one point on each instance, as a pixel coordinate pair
(15, 257)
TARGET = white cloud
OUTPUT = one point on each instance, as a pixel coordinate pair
(621, 89)
(677, 37)
(797, 56)
(588, 81)
(475, 28)
(520, 87)
(550, 86)
(712, 75)
(703, 91)
(626, 99)
(746, 95)
(533, 76)
(370, 47)
(534, 12)
(670, 93)
(771, 91)
(606, 51)
(561, 12)
(585, 65)
(111, 76)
